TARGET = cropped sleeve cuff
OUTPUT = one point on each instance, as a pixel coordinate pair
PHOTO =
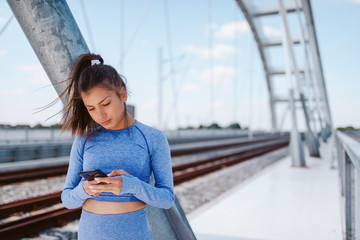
(129, 184)
(80, 191)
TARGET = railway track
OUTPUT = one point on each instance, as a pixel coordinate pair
(355, 134)
(188, 171)
(59, 216)
(47, 171)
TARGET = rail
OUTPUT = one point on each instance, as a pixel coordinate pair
(9, 176)
(58, 216)
(27, 135)
(31, 150)
(348, 150)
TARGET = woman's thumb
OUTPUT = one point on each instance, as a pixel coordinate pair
(102, 180)
(113, 173)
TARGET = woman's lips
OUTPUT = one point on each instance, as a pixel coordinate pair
(106, 122)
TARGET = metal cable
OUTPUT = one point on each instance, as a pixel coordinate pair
(6, 25)
(137, 28)
(236, 14)
(212, 100)
(122, 34)
(171, 61)
(87, 24)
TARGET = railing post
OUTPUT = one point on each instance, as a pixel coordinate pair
(341, 164)
(349, 199)
(16, 154)
(37, 152)
(296, 146)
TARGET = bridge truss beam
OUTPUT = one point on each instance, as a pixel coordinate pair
(314, 99)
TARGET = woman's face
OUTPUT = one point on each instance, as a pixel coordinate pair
(105, 107)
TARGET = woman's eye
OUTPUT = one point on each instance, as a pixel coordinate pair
(107, 104)
(90, 109)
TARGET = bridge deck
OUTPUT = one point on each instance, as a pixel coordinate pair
(280, 202)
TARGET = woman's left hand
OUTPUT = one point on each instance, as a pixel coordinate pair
(113, 183)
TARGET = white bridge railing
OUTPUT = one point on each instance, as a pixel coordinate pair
(349, 170)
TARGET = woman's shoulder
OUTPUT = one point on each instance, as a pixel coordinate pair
(149, 131)
(84, 137)
(153, 136)
(79, 139)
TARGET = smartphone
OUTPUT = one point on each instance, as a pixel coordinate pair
(90, 175)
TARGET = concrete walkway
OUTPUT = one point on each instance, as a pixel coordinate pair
(281, 202)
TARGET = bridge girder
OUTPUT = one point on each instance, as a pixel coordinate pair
(253, 13)
(317, 94)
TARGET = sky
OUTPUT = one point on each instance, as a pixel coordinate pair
(224, 85)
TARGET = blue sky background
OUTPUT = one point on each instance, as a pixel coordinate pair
(25, 86)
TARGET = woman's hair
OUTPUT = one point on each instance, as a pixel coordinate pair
(83, 77)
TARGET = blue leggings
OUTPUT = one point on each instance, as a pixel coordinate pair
(132, 225)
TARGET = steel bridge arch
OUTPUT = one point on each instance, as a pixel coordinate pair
(252, 13)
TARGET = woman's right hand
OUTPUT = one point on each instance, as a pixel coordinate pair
(88, 190)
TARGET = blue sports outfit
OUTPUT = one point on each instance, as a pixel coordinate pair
(140, 150)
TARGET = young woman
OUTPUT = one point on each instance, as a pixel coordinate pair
(109, 139)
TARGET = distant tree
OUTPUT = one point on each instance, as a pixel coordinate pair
(37, 126)
(21, 126)
(234, 126)
(347, 128)
(214, 126)
(55, 126)
(186, 128)
(201, 127)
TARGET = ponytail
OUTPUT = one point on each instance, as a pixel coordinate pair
(88, 71)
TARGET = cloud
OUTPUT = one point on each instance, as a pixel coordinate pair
(230, 30)
(218, 105)
(190, 87)
(2, 52)
(354, 1)
(220, 74)
(210, 28)
(272, 32)
(34, 73)
(219, 51)
(342, 117)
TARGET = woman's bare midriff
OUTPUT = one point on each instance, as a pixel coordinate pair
(101, 207)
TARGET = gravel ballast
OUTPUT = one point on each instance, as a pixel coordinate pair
(195, 193)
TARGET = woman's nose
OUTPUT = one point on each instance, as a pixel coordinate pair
(102, 114)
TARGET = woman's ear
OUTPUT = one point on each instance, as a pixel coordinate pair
(123, 95)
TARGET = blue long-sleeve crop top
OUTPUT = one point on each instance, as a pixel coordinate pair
(139, 150)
